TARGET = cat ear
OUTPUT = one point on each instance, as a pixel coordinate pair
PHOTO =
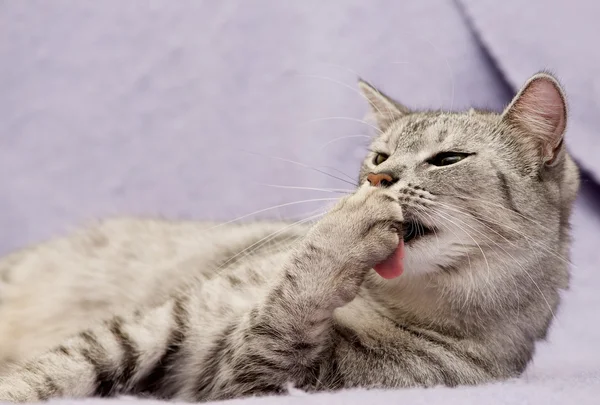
(539, 113)
(384, 108)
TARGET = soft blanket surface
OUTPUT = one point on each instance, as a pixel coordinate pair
(143, 108)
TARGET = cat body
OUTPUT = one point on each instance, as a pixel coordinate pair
(479, 203)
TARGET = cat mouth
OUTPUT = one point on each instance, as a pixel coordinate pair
(414, 230)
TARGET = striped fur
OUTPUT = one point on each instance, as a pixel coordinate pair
(198, 312)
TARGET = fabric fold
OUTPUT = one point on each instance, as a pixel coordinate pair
(557, 36)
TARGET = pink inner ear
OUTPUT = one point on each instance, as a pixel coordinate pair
(540, 110)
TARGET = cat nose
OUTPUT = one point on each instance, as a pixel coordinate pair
(381, 179)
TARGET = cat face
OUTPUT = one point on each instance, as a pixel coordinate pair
(476, 186)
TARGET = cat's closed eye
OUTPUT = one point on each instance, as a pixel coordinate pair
(447, 158)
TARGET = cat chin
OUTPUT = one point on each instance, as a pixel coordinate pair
(418, 270)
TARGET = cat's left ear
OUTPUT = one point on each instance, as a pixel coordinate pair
(385, 109)
(538, 113)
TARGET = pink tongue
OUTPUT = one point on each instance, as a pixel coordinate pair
(393, 266)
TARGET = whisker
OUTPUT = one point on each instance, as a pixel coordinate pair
(328, 190)
(470, 273)
(417, 207)
(522, 234)
(345, 119)
(515, 260)
(268, 209)
(343, 137)
(329, 79)
(491, 203)
(352, 179)
(258, 243)
(469, 235)
(389, 111)
(471, 276)
(300, 164)
(450, 71)
(347, 69)
(422, 211)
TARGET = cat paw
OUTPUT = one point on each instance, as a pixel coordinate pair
(364, 228)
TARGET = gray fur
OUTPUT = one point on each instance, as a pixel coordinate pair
(174, 310)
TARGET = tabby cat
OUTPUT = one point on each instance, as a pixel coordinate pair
(443, 268)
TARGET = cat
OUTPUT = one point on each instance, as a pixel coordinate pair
(443, 267)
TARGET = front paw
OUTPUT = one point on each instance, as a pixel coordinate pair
(363, 229)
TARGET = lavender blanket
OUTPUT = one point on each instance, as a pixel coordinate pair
(187, 109)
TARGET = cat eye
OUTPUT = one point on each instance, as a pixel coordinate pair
(380, 158)
(447, 158)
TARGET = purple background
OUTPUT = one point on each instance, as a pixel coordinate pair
(181, 109)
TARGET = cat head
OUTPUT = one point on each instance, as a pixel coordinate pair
(485, 194)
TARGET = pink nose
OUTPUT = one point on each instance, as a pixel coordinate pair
(377, 179)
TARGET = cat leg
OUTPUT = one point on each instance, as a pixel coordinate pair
(282, 339)
(286, 338)
(61, 287)
(107, 360)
